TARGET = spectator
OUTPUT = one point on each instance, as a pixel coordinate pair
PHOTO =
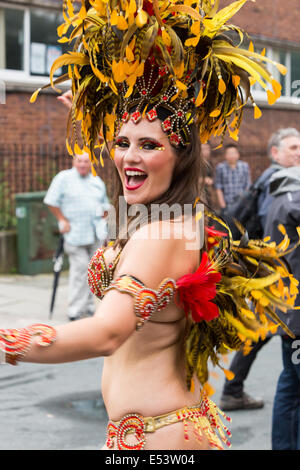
(285, 210)
(284, 151)
(232, 178)
(283, 148)
(79, 202)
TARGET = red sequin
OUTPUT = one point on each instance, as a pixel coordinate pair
(136, 117)
(151, 115)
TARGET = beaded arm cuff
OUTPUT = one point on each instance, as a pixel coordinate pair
(147, 301)
(14, 343)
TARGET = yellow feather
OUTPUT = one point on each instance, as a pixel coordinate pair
(67, 59)
(272, 98)
(141, 18)
(215, 113)
(222, 86)
(114, 18)
(166, 38)
(257, 112)
(77, 149)
(69, 149)
(186, 9)
(122, 23)
(34, 96)
(129, 54)
(247, 65)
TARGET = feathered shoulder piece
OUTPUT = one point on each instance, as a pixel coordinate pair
(131, 58)
(233, 297)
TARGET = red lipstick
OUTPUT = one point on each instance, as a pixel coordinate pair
(133, 187)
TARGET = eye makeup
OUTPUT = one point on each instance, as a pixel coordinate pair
(144, 144)
(149, 144)
(121, 142)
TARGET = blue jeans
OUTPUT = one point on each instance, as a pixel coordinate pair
(286, 409)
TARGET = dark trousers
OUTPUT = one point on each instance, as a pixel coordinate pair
(286, 409)
(240, 366)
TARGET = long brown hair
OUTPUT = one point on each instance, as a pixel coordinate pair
(185, 185)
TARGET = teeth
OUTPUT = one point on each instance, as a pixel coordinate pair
(134, 173)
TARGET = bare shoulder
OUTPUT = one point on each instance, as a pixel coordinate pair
(157, 251)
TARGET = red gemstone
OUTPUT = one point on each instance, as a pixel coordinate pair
(166, 125)
(152, 115)
(165, 98)
(162, 71)
(175, 139)
(125, 117)
(179, 114)
(136, 117)
(144, 92)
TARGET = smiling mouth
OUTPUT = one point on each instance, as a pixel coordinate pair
(134, 179)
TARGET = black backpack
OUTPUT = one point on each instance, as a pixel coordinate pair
(245, 211)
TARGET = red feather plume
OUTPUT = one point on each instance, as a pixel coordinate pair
(197, 290)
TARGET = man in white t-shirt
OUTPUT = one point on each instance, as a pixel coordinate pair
(79, 202)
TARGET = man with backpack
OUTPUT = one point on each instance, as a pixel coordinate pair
(285, 210)
(284, 152)
(250, 208)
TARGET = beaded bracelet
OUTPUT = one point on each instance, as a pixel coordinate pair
(15, 343)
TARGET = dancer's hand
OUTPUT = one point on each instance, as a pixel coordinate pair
(66, 99)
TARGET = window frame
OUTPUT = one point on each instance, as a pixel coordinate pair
(15, 79)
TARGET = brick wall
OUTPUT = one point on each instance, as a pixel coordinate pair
(269, 18)
(254, 136)
(42, 122)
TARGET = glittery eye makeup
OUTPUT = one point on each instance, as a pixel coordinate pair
(121, 142)
(149, 144)
(144, 144)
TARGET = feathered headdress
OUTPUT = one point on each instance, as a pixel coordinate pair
(132, 58)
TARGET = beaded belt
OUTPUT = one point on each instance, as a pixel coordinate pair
(204, 417)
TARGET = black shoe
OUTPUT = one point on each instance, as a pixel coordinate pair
(73, 318)
(245, 402)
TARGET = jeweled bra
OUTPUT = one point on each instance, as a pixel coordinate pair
(146, 301)
(100, 274)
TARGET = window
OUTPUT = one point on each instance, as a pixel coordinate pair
(44, 48)
(12, 22)
(290, 82)
(295, 73)
(28, 41)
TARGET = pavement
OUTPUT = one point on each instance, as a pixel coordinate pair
(60, 407)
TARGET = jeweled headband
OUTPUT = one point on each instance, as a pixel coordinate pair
(132, 58)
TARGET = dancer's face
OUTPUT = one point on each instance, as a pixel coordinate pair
(145, 161)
